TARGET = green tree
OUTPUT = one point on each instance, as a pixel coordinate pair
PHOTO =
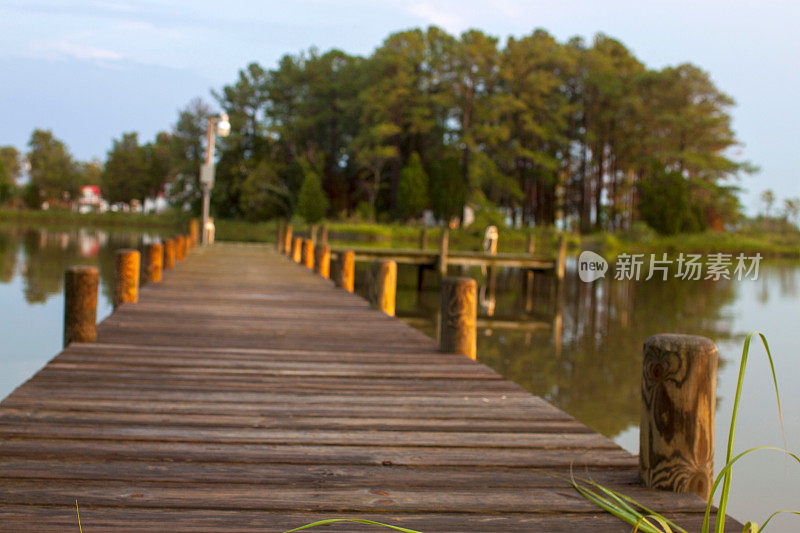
(551, 130)
(10, 170)
(373, 153)
(188, 148)
(162, 166)
(90, 172)
(667, 206)
(264, 195)
(125, 176)
(10, 157)
(53, 175)
(448, 189)
(412, 193)
(312, 204)
(248, 144)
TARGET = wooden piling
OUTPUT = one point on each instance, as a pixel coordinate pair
(423, 238)
(279, 244)
(676, 436)
(308, 253)
(458, 328)
(194, 232)
(444, 243)
(322, 260)
(180, 250)
(153, 262)
(80, 304)
(561, 260)
(169, 254)
(126, 277)
(323, 234)
(312, 233)
(344, 274)
(297, 250)
(530, 247)
(287, 240)
(383, 285)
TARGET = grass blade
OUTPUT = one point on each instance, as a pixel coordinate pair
(352, 520)
(726, 485)
(724, 472)
(773, 515)
(78, 513)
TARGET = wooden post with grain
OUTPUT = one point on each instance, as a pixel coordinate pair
(561, 260)
(344, 275)
(423, 238)
(308, 253)
(153, 262)
(126, 277)
(80, 304)
(458, 327)
(279, 244)
(323, 234)
(444, 243)
(169, 253)
(676, 435)
(530, 247)
(194, 232)
(179, 248)
(287, 239)
(383, 285)
(322, 260)
(297, 249)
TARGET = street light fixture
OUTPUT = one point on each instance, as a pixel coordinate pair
(220, 125)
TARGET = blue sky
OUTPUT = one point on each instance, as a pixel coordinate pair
(90, 70)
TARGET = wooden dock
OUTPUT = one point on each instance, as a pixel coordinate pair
(430, 258)
(246, 393)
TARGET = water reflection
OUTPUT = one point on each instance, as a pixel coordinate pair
(40, 256)
(32, 264)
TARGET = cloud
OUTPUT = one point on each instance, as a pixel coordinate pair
(71, 49)
(443, 16)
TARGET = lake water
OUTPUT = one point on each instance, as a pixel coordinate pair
(592, 369)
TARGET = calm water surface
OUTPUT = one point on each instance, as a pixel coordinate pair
(589, 365)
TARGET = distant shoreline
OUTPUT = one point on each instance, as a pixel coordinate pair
(772, 245)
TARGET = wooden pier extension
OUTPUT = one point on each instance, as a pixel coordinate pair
(246, 393)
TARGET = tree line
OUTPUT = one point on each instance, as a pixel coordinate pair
(533, 128)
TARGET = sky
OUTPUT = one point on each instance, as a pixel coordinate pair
(91, 70)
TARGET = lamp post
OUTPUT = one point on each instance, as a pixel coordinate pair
(216, 124)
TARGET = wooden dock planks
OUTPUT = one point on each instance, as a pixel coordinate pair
(246, 393)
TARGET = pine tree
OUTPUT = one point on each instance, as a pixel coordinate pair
(412, 192)
(312, 203)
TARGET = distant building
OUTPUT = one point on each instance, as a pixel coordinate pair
(159, 204)
(91, 201)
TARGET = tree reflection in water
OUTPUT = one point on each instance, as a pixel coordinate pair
(40, 255)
